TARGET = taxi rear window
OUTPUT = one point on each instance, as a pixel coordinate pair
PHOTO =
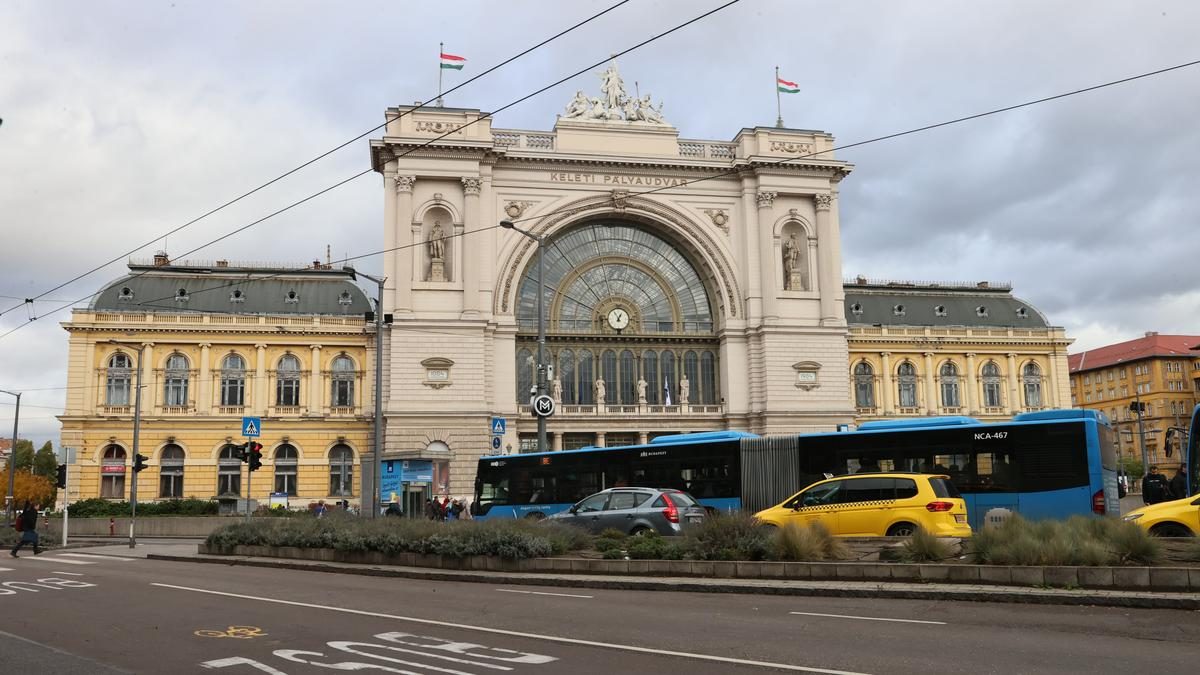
(944, 488)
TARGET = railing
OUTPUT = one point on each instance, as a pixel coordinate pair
(523, 139)
(118, 409)
(231, 409)
(953, 410)
(706, 150)
(176, 409)
(641, 409)
(646, 327)
(993, 410)
(864, 412)
(341, 410)
(908, 411)
(225, 319)
(286, 410)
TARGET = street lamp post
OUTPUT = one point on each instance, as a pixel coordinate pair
(370, 497)
(541, 323)
(137, 432)
(9, 504)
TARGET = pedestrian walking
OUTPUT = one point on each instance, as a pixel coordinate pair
(1179, 483)
(27, 525)
(1155, 488)
(321, 510)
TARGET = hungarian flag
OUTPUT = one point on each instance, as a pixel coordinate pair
(784, 86)
(452, 62)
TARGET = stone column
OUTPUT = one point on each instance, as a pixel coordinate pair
(767, 261)
(932, 403)
(829, 265)
(487, 241)
(403, 274)
(600, 439)
(260, 379)
(886, 395)
(1014, 397)
(92, 392)
(972, 386)
(150, 393)
(204, 384)
(315, 389)
(760, 269)
(557, 444)
(471, 257)
(643, 438)
(1050, 397)
(744, 245)
(389, 235)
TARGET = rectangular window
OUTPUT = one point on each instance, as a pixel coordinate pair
(228, 482)
(233, 391)
(112, 486)
(285, 480)
(176, 393)
(170, 483)
(287, 392)
(343, 393)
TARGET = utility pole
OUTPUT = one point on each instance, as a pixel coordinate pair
(541, 323)
(371, 480)
(137, 432)
(9, 501)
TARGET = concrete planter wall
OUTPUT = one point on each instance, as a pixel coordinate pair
(1178, 579)
(151, 526)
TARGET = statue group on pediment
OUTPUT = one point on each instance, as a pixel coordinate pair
(614, 104)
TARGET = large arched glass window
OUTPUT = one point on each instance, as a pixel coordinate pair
(287, 381)
(233, 381)
(691, 368)
(587, 378)
(629, 378)
(991, 385)
(566, 376)
(670, 394)
(120, 375)
(170, 472)
(525, 368)
(906, 382)
(112, 473)
(229, 472)
(175, 382)
(1031, 376)
(286, 465)
(864, 385)
(343, 382)
(653, 382)
(608, 373)
(948, 374)
(708, 378)
(341, 471)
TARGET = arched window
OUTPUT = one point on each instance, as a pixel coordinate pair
(287, 381)
(286, 460)
(229, 472)
(668, 384)
(1031, 376)
(608, 373)
(906, 381)
(343, 382)
(341, 471)
(525, 368)
(629, 378)
(691, 368)
(233, 381)
(653, 382)
(948, 374)
(170, 472)
(119, 377)
(708, 378)
(112, 473)
(864, 385)
(175, 382)
(991, 385)
(566, 375)
(587, 376)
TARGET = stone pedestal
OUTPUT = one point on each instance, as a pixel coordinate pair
(437, 270)
(795, 281)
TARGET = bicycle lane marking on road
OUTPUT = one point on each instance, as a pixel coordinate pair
(711, 658)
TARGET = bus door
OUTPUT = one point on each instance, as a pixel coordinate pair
(987, 482)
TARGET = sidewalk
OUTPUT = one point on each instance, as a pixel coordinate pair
(851, 589)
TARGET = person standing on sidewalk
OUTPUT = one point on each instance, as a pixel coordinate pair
(1154, 487)
(1179, 483)
(27, 523)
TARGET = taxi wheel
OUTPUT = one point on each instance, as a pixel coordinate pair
(1170, 530)
(901, 530)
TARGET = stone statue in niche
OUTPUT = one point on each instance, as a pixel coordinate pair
(599, 385)
(793, 273)
(437, 252)
(556, 389)
(684, 387)
(641, 390)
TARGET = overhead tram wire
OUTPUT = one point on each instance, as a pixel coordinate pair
(26, 301)
(482, 117)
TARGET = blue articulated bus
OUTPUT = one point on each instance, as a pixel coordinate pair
(1046, 464)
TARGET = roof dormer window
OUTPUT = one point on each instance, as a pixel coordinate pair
(939, 310)
(856, 309)
(291, 298)
(126, 295)
(345, 299)
(898, 310)
(981, 311)
(1022, 313)
(237, 296)
(182, 295)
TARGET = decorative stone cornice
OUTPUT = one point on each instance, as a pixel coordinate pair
(765, 199)
(823, 202)
(471, 186)
(404, 183)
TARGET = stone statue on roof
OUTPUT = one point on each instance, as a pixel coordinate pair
(614, 104)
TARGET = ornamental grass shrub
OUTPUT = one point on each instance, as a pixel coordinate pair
(729, 536)
(806, 543)
(1079, 540)
(511, 539)
(924, 546)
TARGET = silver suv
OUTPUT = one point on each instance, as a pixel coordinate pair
(635, 511)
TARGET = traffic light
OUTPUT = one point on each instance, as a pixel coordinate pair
(139, 462)
(254, 453)
(62, 476)
(239, 451)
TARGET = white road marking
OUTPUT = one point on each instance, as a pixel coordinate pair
(869, 618)
(514, 633)
(345, 647)
(70, 574)
(93, 556)
(561, 595)
(59, 560)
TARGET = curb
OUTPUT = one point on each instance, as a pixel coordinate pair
(844, 589)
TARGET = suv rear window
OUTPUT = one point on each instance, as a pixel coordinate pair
(944, 488)
(678, 499)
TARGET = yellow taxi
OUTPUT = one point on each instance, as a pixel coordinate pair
(1178, 518)
(877, 505)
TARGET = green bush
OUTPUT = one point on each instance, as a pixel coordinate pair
(602, 544)
(611, 533)
(924, 546)
(512, 539)
(732, 536)
(806, 543)
(649, 546)
(1080, 540)
(99, 508)
(613, 554)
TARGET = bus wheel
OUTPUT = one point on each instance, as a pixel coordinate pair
(901, 530)
(1170, 530)
(536, 515)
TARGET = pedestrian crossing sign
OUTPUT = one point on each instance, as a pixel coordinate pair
(498, 426)
(251, 427)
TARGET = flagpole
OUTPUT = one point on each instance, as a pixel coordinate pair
(778, 104)
(442, 48)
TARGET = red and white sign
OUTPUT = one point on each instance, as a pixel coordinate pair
(112, 468)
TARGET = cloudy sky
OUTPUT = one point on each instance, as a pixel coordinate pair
(124, 120)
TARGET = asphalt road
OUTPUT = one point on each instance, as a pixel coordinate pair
(85, 611)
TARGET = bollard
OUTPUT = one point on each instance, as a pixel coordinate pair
(112, 527)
